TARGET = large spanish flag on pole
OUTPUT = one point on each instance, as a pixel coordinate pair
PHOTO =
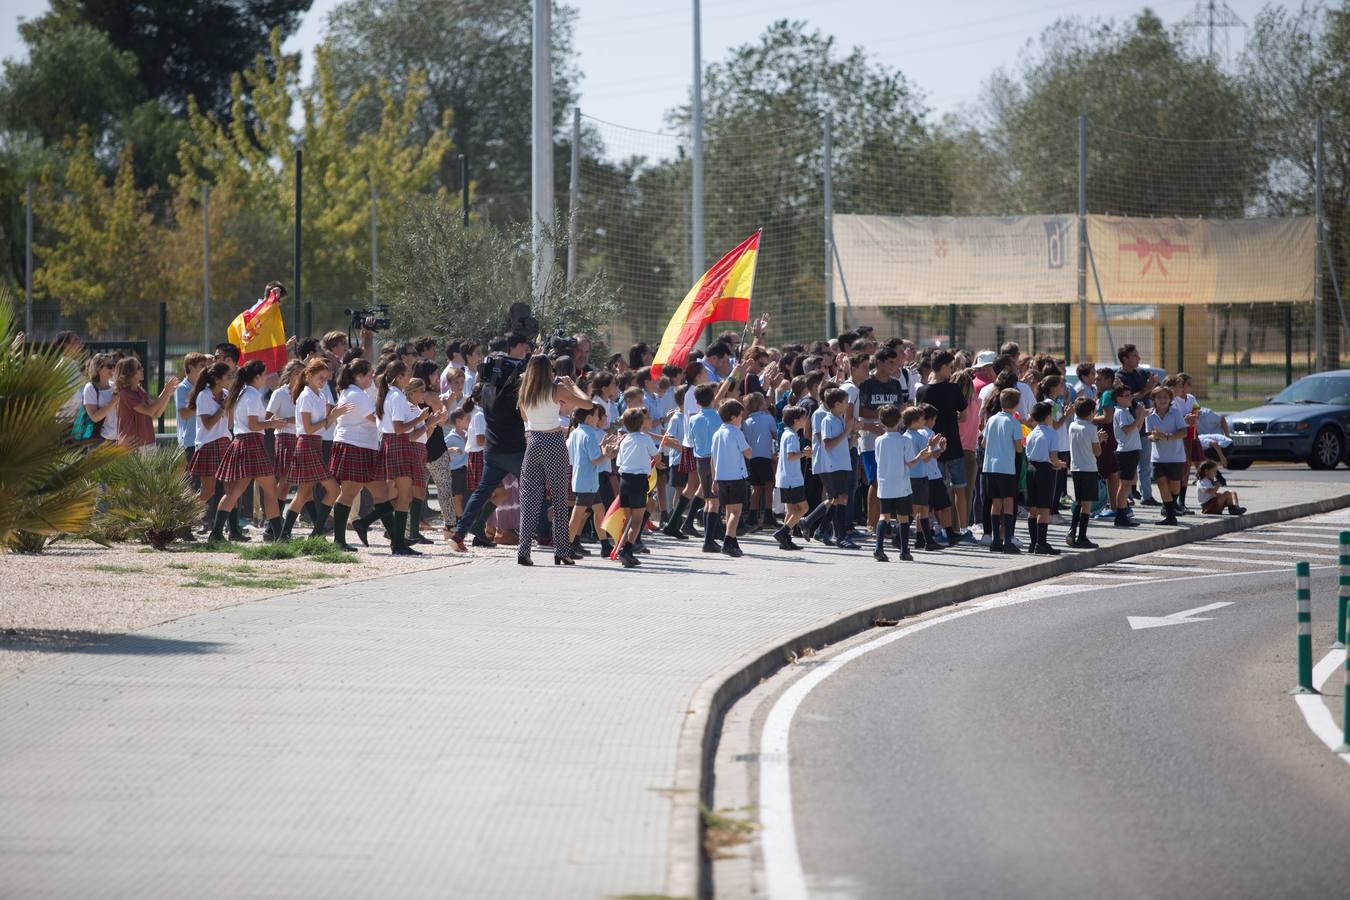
(260, 334)
(721, 295)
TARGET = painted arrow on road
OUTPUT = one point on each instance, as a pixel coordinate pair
(1138, 623)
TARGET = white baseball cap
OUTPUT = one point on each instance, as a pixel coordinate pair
(985, 358)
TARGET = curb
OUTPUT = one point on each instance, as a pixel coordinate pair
(687, 871)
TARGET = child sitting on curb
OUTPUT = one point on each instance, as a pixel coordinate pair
(1212, 500)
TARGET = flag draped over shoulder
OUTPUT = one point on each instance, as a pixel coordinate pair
(721, 295)
(615, 515)
(259, 333)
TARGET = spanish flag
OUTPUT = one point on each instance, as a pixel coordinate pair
(614, 516)
(721, 295)
(259, 333)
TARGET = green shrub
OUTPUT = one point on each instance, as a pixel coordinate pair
(149, 495)
(313, 548)
(46, 487)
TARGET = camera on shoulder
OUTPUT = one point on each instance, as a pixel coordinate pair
(374, 318)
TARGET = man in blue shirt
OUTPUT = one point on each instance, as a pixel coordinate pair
(729, 452)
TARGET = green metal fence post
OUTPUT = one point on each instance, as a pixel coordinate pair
(163, 352)
(1288, 345)
(1343, 598)
(309, 319)
(1303, 593)
(1181, 338)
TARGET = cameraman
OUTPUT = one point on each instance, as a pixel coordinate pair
(499, 374)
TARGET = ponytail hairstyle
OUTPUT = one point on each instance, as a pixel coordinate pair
(206, 381)
(1046, 385)
(316, 365)
(415, 386)
(95, 366)
(290, 376)
(389, 373)
(426, 370)
(247, 373)
(347, 377)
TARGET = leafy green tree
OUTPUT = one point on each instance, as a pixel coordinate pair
(443, 279)
(472, 58)
(182, 48)
(251, 160)
(1156, 116)
(1297, 68)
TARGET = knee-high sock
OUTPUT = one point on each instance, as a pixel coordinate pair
(996, 527)
(904, 537)
(340, 513)
(415, 518)
(881, 533)
(1033, 529)
(813, 518)
(841, 522)
(1010, 526)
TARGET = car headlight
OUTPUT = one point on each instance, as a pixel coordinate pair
(1287, 427)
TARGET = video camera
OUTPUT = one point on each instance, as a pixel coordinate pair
(560, 343)
(375, 319)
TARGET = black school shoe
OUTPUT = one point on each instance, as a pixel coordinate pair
(1084, 544)
(1011, 549)
(711, 546)
(482, 541)
(905, 556)
(1237, 510)
(731, 548)
(1045, 550)
(629, 560)
(880, 556)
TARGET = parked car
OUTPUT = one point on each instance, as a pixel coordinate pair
(1309, 421)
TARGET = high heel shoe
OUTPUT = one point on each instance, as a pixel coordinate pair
(563, 561)
(524, 561)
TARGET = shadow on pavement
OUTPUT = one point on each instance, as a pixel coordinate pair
(44, 640)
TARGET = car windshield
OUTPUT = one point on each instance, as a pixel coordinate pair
(1317, 389)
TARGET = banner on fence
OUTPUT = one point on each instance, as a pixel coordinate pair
(1028, 260)
(1201, 261)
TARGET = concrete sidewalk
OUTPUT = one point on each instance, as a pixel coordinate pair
(484, 731)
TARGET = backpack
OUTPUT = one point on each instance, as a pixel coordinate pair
(84, 429)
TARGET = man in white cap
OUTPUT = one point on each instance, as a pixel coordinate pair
(984, 369)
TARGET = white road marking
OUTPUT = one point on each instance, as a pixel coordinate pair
(1162, 568)
(1139, 623)
(778, 842)
(1315, 710)
(1329, 535)
(1293, 553)
(1168, 554)
(1252, 540)
(1093, 573)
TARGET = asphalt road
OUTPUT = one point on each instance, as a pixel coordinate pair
(1047, 750)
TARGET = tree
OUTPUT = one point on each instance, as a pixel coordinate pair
(251, 160)
(182, 48)
(1297, 67)
(1168, 133)
(95, 253)
(472, 59)
(443, 279)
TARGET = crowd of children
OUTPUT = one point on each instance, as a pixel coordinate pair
(840, 442)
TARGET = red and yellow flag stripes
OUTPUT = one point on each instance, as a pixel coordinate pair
(721, 295)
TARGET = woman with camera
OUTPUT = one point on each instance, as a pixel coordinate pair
(543, 402)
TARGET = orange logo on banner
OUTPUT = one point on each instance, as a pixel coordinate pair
(1154, 255)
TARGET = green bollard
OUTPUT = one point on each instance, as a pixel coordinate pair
(1343, 602)
(1303, 590)
(1345, 710)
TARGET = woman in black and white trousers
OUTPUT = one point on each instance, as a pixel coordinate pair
(543, 398)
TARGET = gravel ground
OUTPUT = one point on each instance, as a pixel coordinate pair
(77, 593)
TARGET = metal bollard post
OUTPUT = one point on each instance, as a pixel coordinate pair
(1343, 601)
(1303, 592)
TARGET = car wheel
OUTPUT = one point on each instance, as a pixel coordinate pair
(1327, 448)
(1238, 465)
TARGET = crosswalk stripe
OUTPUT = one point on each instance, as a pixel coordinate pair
(1291, 553)
(1095, 573)
(1191, 570)
(1166, 554)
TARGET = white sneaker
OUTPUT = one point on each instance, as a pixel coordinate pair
(987, 539)
(1057, 519)
(1017, 542)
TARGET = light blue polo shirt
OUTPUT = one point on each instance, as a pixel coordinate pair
(1001, 434)
(701, 430)
(187, 428)
(1125, 440)
(1040, 442)
(834, 459)
(1168, 451)
(895, 451)
(728, 453)
(789, 474)
(931, 469)
(759, 428)
(582, 447)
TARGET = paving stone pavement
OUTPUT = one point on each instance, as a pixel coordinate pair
(485, 731)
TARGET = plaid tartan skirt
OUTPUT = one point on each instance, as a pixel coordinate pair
(352, 463)
(285, 453)
(206, 458)
(473, 470)
(400, 459)
(246, 458)
(307, 462)
(686, 460)
(420, 472)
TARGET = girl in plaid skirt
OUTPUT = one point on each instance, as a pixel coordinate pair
(313, 415)
(355, 462)
(207, 404)
(246, 460)
(418, 393)
(400, 422)
(281, 406)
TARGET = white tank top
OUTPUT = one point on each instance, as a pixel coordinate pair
(542, 416)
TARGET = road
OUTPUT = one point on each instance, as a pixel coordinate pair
(1048, 750)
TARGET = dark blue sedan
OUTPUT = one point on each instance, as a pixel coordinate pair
(1309, 421)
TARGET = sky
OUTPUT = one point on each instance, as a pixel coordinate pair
(636, 55)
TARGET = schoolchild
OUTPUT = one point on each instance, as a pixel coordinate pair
(355, 462)
(1166, 427)
(1127, 419)
(830, 462)
(699, 433)
(895, 457)
(913, 419)
(281, 407)
(1043, 465)
(245, 460)
(193, 364)
(939, 501)
(589, 451)
(1213, 500)
(789, 478)
(730, 450)
(1084, 446)
(456, 452)
(636, 452)
(759, 428)
(400, 421)
(415, 391)
(679, 474)
(313, 416)
(207, 404)
(1002, 442)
